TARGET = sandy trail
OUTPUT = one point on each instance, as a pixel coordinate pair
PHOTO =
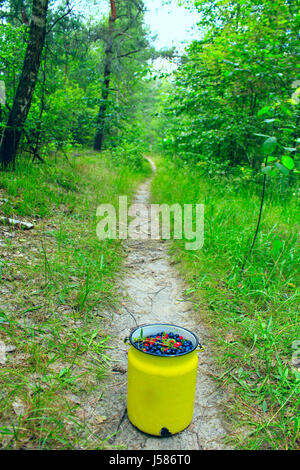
(152, 292)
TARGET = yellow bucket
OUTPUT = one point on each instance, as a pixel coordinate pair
(161, 389)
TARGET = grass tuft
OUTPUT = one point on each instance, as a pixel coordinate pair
(253, 316)
(58, 282)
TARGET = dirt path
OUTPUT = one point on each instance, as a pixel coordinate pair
(152, 293)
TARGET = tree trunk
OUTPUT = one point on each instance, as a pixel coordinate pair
(106, 79)
(22, 101)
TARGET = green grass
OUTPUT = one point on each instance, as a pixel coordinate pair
(57, 283)
(253, 316)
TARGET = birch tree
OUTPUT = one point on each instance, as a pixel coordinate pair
(23, 98)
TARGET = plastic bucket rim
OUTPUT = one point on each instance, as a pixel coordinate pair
(164, 324)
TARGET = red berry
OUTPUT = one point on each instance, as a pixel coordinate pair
(180, 337)
(146, 345)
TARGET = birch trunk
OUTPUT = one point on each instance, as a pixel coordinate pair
(22, 101)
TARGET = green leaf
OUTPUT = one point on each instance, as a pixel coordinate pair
(297, 375)
(63, 372)
(266, 169)
(264, 110)
(288, 162)
(264, 406)
(285, 110)
(269, 145)
(277, 246)
(261, 135)
(282, 168)
(271, 159)
(94, 334)
(271, 120)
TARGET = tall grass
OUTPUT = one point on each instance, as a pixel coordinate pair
(57, 283)
(254, 314)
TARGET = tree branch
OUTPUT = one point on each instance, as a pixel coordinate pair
(59, 19)
(129, 53)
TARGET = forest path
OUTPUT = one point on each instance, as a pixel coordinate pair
(152, 292)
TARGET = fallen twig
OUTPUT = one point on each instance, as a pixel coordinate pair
(15, 222)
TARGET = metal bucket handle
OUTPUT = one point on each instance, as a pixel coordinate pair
(200, 347)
